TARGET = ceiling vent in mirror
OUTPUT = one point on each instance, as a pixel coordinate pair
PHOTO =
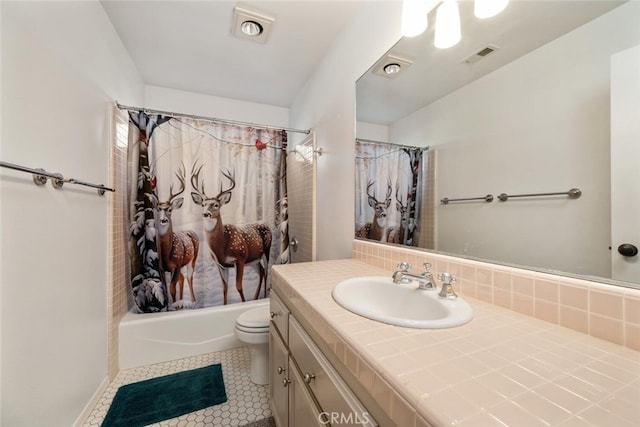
(391, 66)
(482, 53)
(251, 25)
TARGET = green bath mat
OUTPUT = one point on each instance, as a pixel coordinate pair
(157, 399)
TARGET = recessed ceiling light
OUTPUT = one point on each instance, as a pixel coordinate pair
(251, 25)
(251, 28)
(391, 66)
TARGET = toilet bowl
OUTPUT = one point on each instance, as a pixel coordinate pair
(252, 328)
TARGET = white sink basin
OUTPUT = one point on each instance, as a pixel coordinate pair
(378, 298)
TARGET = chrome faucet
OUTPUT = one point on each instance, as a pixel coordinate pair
(425, 280)
(447, 286)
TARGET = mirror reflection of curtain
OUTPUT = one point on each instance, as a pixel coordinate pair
(389, 186)
(205, 198)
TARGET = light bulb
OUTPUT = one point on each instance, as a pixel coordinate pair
(447, 25)
(392, 68)
(414, 17)
(488, 8)
(251, 28)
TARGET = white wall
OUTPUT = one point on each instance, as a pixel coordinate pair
(62, 66)
(180, 101)
(539, 124)
(327, 104)
(372, 131)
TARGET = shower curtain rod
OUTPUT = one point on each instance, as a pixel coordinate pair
(211, 119)
(371, 141)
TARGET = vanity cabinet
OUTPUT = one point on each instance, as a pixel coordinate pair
(279, 378)
(305, 389)
(279, 375)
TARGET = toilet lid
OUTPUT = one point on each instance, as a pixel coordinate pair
(255, 318)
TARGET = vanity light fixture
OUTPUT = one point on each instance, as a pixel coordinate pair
(251, 25)
(488, 8)
(447, 32)
(414, 16)
(447, 26)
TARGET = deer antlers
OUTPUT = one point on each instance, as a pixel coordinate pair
(373, 196)
(231, 177)
(399, 200)
(195, 177)
(180, 173)
(195, 182)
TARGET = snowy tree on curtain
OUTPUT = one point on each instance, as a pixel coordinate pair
(388, 192)
(208, 211)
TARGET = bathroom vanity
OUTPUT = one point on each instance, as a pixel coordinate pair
(305, 389)
(501, 368)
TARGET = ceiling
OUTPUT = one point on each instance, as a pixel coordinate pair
(188, 45)
(522, 27)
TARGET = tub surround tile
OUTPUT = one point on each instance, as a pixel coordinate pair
(502, 367)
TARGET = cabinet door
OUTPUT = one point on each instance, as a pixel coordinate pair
(279, 316)
(329, 390)
(303, 410)
(278, 379)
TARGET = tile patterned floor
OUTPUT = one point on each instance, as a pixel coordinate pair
(247, 402)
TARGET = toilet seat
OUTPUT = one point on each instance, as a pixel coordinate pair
(252, 330)
(255, 320)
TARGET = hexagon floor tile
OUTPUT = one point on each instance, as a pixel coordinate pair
(247, 402)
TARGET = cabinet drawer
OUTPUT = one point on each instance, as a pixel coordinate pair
(335, 398)
(279, 316)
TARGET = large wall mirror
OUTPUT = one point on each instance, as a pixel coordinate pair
(521, 105)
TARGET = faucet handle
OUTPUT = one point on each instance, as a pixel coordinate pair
(446, 278)
(447, 288)
(403, 266)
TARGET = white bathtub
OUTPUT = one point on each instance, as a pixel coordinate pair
(158, 337)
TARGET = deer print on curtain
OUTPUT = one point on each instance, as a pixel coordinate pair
(389, 181)
(208, 207)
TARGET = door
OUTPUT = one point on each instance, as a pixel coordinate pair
(625, 164)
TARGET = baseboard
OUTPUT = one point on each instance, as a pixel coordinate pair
(82, 418)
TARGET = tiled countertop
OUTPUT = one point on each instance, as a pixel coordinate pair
(501, 369)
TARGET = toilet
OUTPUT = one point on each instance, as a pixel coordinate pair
(252, 328)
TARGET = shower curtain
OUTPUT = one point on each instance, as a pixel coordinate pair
(389, 187)
(208, 211)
